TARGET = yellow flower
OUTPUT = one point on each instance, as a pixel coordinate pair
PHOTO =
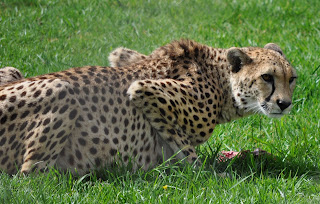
(165, 187)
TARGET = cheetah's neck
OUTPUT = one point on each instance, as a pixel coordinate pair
(221, 72)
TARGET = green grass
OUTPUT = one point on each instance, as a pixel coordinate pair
(41, 36)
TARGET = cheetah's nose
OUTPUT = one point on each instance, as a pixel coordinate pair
(283, 104)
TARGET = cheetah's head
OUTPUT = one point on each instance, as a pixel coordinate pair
(262, 80)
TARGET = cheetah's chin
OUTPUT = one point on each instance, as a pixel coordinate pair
(275, 115)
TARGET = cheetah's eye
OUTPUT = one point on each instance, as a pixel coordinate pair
(292, 79)
(267, 77)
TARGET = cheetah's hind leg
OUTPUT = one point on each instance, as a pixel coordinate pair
(121, 57)
(9, 74)
(38, 124)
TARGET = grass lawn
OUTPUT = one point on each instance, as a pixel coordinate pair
(42, 36)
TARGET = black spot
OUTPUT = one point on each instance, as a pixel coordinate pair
(37, 109)
(21, 103)
(123, 111)
(46, 110)
(63, 109)
(105, 108)
(172, 131)
(46, 130)
(61, 133)
(103, 119)
(57, 124)
(12, 138)
(81, 101)
(201, 105)
(84, 134)
(3, 141)
(62, 94)
(115, 140)
(78, 154)
(95, 99)
(12, 99)
(37, 93)
(106, 131)
(2, 131)
(97, 161)
(113, 152)
(25, 114)
(55, 109)
(93, 150)
(46, 121)
(94, 108)
(53, 145)
(133, 138)
(105, 140)
(148, 93)
(126, 122)
(11, 127)
(125, 158)
(90, 117)
(23, 125)
(163, 113)
(73, 114)
(42, 139)
(94, 129)
(4, 160)
(162, 100)
(96, 140)
(10, 109)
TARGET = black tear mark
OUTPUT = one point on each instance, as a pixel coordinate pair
(252, 83)
(273, 89)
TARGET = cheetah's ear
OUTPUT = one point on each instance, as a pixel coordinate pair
(237, 59)
(274, 47)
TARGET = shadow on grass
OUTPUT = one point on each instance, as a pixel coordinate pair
(248, 164)
(265, 164)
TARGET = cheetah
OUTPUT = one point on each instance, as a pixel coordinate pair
(142, 109)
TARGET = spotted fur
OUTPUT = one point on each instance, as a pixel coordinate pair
(146, 110)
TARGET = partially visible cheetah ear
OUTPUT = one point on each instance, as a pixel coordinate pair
(9, 74)
(122, 57)
(275, 47)
(237, 59)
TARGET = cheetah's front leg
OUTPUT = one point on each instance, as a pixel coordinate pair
(168, 104)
